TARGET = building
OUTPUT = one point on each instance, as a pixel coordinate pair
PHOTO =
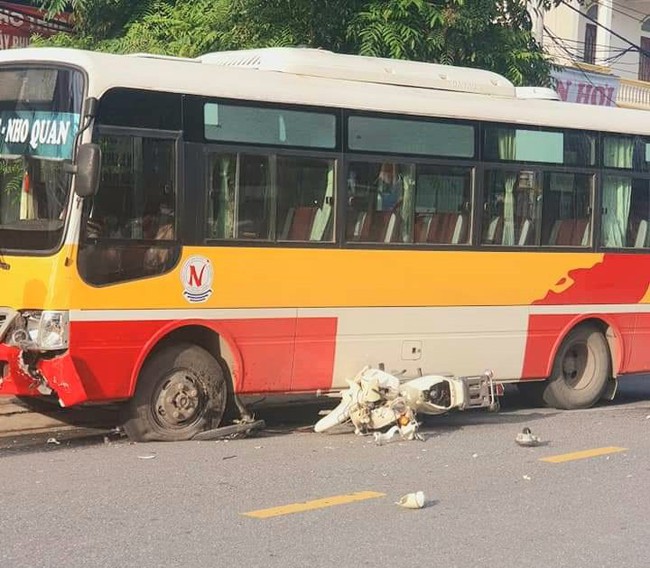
(603, 47)
(19, 21)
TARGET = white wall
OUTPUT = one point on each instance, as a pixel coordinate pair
(570, 27)
(563, 23)
(630, 28)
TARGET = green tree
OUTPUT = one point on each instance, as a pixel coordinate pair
(489, 34)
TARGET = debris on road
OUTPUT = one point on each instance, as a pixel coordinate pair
(376, 400)
(526, 438)
(147, 457)
(381, 439)
(53, 441)
(412, 500)
(527, 477)
(237, 430)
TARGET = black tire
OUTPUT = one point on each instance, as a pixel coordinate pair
(181, 391)
(581, 370)
(532, 393)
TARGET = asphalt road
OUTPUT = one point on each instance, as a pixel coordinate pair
(95, 502)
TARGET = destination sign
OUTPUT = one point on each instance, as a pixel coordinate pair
(40, 134)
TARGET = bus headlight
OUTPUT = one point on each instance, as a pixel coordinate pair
(47, 330)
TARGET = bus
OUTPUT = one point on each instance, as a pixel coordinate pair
(181, 236)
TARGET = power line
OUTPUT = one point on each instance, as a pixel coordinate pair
(628, 8)
(555, 40)
(615, 34)
(621, 10)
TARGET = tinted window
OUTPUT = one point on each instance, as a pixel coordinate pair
(130, 231)
(392, 202)
(141, 109)
(526, 208)
(269, 197)
(542, 146)
(278, 127)
(410, 137)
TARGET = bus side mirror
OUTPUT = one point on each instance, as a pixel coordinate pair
(87, 168)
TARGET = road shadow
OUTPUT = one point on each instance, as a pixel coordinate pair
(96, 425)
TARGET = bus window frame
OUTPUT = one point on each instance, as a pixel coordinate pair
(194, 125)
(68, 225)
(350, 157)
(213, 148)
(541, 170)
(347, 151)
(181, 221)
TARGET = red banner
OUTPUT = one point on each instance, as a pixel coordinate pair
(18, 23)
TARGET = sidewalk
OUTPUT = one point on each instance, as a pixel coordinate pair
(16, 419)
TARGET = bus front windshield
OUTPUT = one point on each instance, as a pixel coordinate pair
(39, 117)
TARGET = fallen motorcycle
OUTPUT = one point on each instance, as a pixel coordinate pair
(376, 400)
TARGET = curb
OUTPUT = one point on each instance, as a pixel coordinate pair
(16, 419)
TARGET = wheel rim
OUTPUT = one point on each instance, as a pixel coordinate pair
(180, 401)
(578, 366)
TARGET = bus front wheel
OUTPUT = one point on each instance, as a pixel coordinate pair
(581, 369)
(181, 391)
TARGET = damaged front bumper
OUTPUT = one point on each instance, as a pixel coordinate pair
(30, 373)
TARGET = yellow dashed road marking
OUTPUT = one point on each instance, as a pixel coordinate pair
(584, 454)
(311, 505)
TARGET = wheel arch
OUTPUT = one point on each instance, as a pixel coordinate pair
(609, 329)
(210, 336)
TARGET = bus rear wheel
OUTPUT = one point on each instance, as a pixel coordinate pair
(581, 370)
(181, 391)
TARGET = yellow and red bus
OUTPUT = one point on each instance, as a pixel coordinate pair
(270, 221)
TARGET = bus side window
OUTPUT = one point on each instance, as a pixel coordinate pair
(566, 209)
(305, 209)
(131, 228)
(512, 208)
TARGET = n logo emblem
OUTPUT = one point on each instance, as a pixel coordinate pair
(196, 276)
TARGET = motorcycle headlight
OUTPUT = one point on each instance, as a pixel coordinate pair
(47, 330)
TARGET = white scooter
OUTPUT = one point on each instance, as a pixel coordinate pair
(376, 399)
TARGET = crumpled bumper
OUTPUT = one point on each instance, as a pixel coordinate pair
(58, 373)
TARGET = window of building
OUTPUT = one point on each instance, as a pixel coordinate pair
(644, 55)
(591, 31)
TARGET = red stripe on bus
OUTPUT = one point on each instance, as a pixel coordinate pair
(618, 279)
(278, 354)
(545, 334)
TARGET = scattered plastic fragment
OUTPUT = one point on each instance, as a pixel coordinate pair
(381, 439)
(412, 500)
(238, 430)
(147, 457)
(526, 438)
(53, 441)
(526, 477)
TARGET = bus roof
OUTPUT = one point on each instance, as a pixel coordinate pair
(218, 76)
